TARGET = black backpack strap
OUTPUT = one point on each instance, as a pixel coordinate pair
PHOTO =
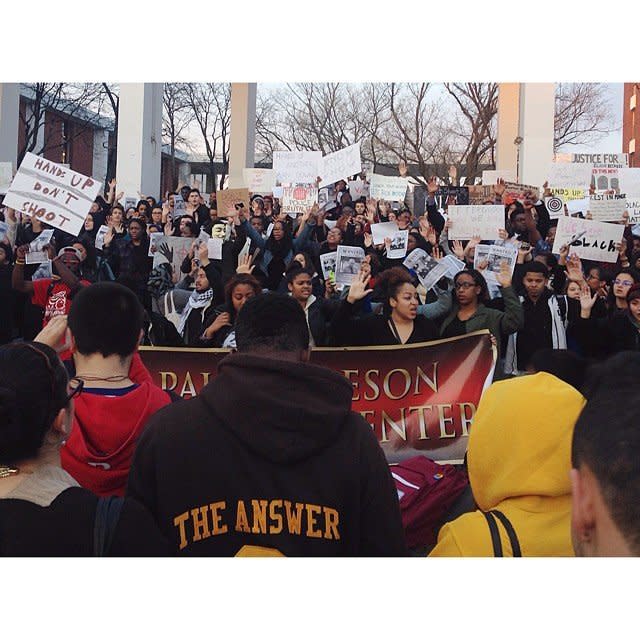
(495, 534)
(106, 521)
(513, 538)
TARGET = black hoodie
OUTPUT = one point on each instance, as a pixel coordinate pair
(268, 456)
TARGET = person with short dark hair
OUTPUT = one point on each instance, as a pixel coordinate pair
(605, 460)
(260, 463)
(43, 510)
(118, 396)
(546, 317)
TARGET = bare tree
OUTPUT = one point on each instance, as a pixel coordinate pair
(583, 114)
(210, 106)
(72, 100)
(176, 118)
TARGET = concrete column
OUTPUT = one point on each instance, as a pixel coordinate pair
(100, 155)
(139, 138)
(508, 119)
(537, 111)
(243, 131)
(9, 118)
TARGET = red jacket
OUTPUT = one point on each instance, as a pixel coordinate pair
(105, 430)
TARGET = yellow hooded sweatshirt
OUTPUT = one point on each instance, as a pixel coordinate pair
(519, 459)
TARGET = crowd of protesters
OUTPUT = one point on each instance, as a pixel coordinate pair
(554, 317)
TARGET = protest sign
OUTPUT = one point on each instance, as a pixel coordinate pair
(358, 189)
(454, 265)
(629, 180)
(488, 259)
(570, 174)
(633, 207)
(419, 399)
(398, 247)
(297, 167)
(6, 175)
(179, 206)
(555, 206)
(568, 193)
(607, 208)
(53, 194)
(299, 198)
(578, 206)
(230, 200)
(491, 177)
(605, 179)
(427, 268)
(244, 251)
(102, 232)
(348, 260)
(619, 160)
(277, 192)
(339, 165)
(327, 198)
(460, 195)
(214, 246)
(597, 242)
(154, 239)
(514, 191)
(328, 263)
(130, 203)
(481, 194)
(388, 187)
(475, 220)
(635, 230)
(382, 230)
(172, 250)
(330, 223)
(36, 255)
(259, 181)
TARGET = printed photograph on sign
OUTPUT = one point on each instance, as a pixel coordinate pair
(398, 247)
(328, 263)
(427, 268)
(348, 261)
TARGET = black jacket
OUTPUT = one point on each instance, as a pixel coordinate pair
(269, 455)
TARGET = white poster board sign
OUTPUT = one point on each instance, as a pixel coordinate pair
(180, 248)
(633, 207)
(341, 164)
(6, 175)
(475, 220)
(492, 176)
(214, 246)
(298, 199)
(595, 240)
(382, 230)
(53, 194)
(607, 208)
(348, 261)
(570, 174)
(578, 206)
(388, 187)
(358, 189)
(629, 181)
(259, 181)
(302, 167)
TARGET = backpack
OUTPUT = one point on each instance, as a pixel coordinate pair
(426, 491)
(495, 534)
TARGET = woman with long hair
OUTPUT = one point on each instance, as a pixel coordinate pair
(399, 322)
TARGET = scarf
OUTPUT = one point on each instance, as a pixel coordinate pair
(196, 301)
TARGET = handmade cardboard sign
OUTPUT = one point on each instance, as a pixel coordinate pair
(589, 239)
(607, 208)
(230, 200)
(299, 198)
(52, 193)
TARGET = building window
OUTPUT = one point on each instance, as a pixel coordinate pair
(64, 155)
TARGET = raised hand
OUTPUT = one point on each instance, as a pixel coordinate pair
(587, 301)
(163, 250)
(203, 254)
(358, 288)
(245, 266)
(432, 185)
(371, 210)
(574, 268)
(368, 239)
(222, 320)
(436, 253)
(499, 187)
(55, 334)
(402, 168)
(504, 276)
(168, 228)
(458, 249)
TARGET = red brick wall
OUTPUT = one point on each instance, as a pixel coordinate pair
(631, 122)
(81, 153)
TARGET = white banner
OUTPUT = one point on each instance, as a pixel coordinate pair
(302, 167)
(569, 174)
(259, 181)
(388, 187)
(475, 220)
(341, 164)
(595, 240)
(607, 208)
(53, 194)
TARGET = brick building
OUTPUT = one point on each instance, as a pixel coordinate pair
(631, 123)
